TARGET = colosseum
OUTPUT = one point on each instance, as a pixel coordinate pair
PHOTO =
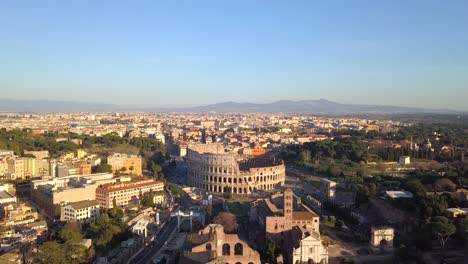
(212, 169)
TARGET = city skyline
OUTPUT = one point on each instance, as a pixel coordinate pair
(169, 55)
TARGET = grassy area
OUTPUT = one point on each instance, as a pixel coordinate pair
(102, 150)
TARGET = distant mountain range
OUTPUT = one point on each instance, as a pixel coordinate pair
(30, 106)
(321, 106)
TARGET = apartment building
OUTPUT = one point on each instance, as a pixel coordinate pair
(121, 194)
(15, 169)
(125, 163)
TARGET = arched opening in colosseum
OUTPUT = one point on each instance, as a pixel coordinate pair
(235, 180)
(250, 179)
(225, 189)
(240, 180)
(224, 180)
(229, 180)
(215, 179)
(240, 190)
(234, 190)
(238, 249)
(245, 190)
(226, 250)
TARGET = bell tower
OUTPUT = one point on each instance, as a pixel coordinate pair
(288, 209)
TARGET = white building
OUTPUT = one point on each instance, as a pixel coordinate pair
(310, 250)
(379, 234)
(80, 211)
(160, 137)
(404, 160)
(159, 198)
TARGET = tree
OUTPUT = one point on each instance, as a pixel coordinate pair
(269, 255)
(69, 236)
(305, 156)
(147, 200)
(463, 224)
(57, 210)
(50, 253)
(444, 185)
(102, 168)
(25, 252)
(116, 213)
(228, 221)
(443, 229)
(101, 230)
(157, 170)
(416, 186)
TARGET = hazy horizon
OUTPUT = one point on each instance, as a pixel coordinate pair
(197, 53)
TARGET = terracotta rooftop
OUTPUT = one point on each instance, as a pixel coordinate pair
(303, 215)
(112, 187)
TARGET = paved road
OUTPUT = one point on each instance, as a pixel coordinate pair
(145, 257)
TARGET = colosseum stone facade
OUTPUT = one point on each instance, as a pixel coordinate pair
(211, 169)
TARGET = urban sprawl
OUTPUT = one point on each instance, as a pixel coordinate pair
(231, 188)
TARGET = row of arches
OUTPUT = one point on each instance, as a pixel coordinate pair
(235, 180)
(232, 188)
(238, 249)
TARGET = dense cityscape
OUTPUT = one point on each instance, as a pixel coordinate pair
(233, 132)
(230, 188)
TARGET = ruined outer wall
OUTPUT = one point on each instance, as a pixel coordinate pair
(219, 172)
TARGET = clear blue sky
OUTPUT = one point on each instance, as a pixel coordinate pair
(184, 53)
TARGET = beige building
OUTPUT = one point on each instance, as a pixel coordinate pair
(212, 245)
(212, 169)
(13, 214)
(278, 214)
(15, 168)
(125, 163)
(3, 168)
(122, 194)
(293, 226)
(82, 211)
